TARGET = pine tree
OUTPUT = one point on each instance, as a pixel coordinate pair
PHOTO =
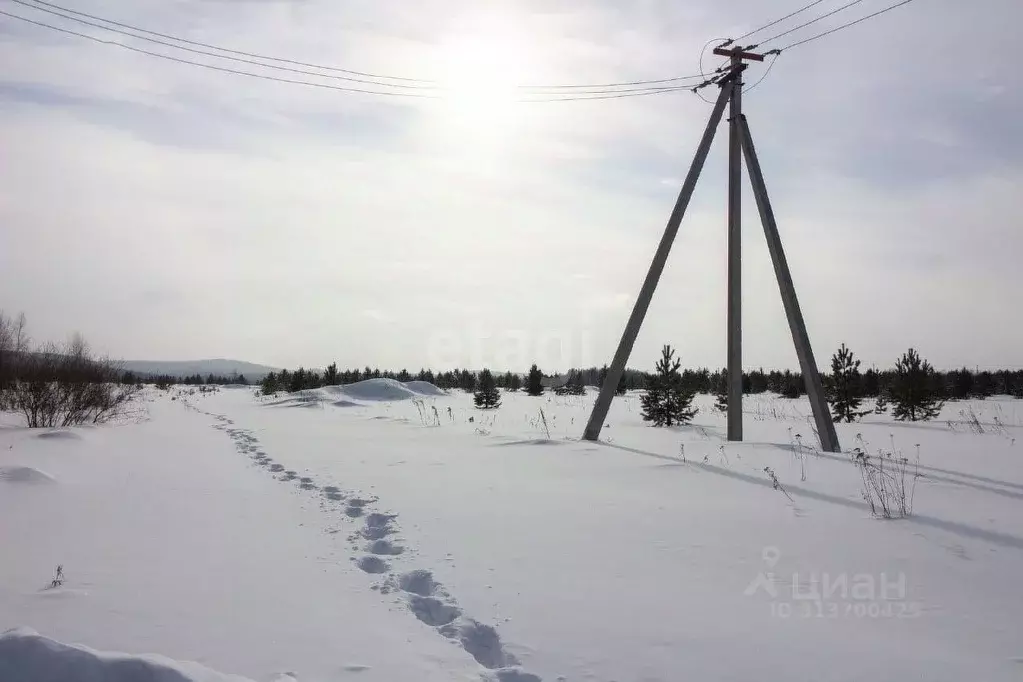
(721, 392)
(846, 381)
(534, 381)
(269, 384)
(792, 386)
(487, 397)
(871, 383)
(515, 383)
(912, 392)
(330, 376)
(667, 402)
(881, 404)
(574, 385)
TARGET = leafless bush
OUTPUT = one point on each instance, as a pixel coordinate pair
(60, 386)
(885, 488)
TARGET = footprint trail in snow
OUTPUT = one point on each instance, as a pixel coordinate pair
(426, 599)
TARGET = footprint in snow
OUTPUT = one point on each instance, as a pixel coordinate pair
(419, 582)
(384, 547)
(378, 526)
(433, 611)
(372, 564)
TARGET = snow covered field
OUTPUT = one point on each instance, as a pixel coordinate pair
(334, 535)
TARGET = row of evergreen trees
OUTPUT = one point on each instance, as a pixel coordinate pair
(164, 380)
(534, 382)
(872, 383)
(911, 389)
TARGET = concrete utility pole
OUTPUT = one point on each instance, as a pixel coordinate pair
(734, 321)
(740, 144)
(646, 293)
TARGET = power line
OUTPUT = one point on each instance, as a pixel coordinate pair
(223, 56)
(592, 91)
(419, 82)
(843, 26)
(610, 94)
(812, 21)
(223, 69)
(221, 49)
(777, 21)
(706, 80)
(777, 53)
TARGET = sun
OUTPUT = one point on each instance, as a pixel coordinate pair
(482, 63)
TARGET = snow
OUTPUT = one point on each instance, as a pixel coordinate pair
(367, 541)
(26, 655)
(18, 474)
(359, 393)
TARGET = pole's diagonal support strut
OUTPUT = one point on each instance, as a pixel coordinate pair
(614, 374)
(814, 388)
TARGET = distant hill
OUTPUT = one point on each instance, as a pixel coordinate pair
(184, 368)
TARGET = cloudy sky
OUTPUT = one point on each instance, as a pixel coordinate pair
(168, 211)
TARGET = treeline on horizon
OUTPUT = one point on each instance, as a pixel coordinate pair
(946, 385)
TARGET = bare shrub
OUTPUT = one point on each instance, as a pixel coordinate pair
(60, 386)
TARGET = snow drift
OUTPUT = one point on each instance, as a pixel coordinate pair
(27, 655)
(388, 389)
(369, 390)
(18, 474)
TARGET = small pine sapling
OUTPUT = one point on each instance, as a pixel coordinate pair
(667, 402)
(487, 397)
(845, 386)
(912, 391)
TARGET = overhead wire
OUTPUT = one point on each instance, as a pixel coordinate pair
(844, 26)
(777, 21)
(207, 53)
(770, 66)
(540, 97)
(239, 72)
(413, 87)
(808, 23)
(776, 52)
(708, 81)
(409, 83)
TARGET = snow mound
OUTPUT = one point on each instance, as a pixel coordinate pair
(25, 475)
(424, 388)
(369, 390)
(384, 389)
(378, 389)
(27, 655)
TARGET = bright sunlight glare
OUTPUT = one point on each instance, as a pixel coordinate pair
(481, 64)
